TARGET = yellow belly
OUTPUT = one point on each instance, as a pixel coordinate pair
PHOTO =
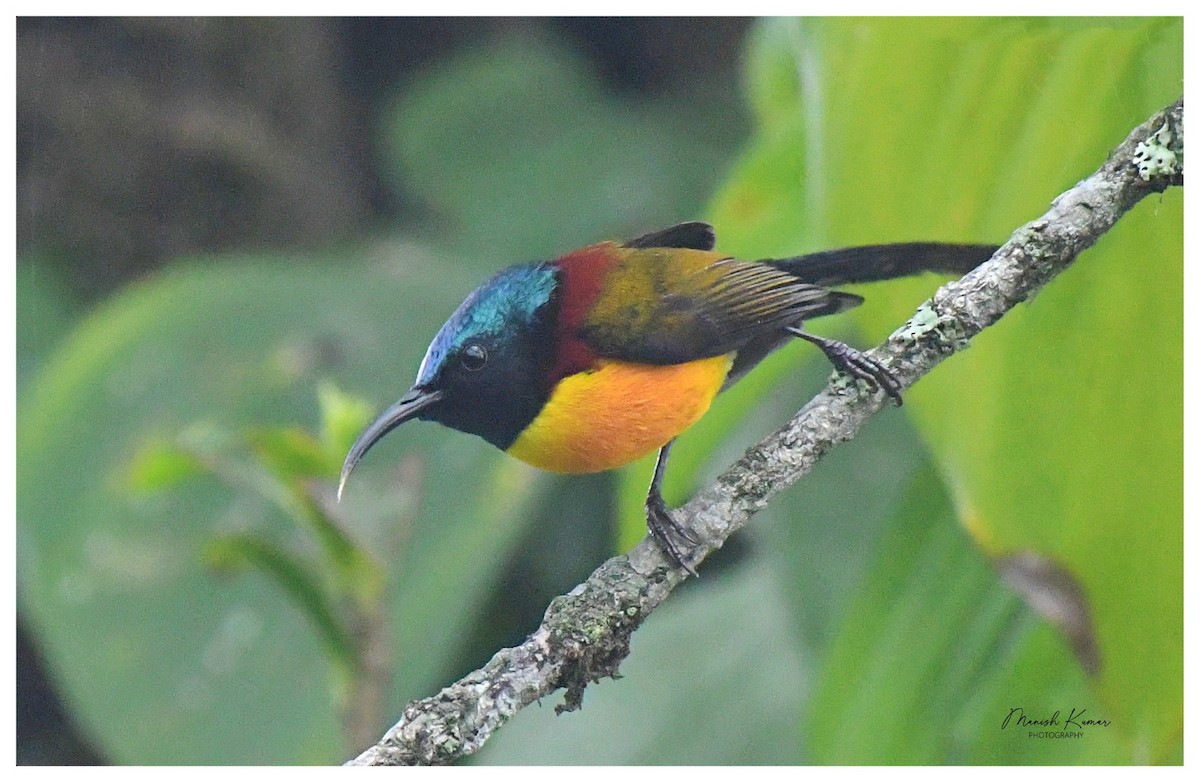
(618, 412)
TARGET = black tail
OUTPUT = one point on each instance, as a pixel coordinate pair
(876, 262)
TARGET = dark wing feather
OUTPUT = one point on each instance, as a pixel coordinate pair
(690, 236)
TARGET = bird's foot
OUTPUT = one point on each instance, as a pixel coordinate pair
(665, 530)
(856, 363)
(859, 365)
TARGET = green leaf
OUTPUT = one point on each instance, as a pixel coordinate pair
(158, 466)
(934, 653)
(44, 313)
(238, 552)
(518, 146)
(291, 453)
(283, 457)
(342, 418)
(985, 123)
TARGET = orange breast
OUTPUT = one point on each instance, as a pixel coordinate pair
(609, 416)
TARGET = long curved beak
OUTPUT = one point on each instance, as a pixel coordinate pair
(412, 403)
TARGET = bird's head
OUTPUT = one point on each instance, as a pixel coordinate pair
(487, 370)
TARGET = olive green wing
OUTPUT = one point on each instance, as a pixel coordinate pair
(672, 306)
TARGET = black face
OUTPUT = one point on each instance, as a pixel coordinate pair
(493, 385)
(491, 361)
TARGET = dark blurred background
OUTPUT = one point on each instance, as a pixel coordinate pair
(140, 141)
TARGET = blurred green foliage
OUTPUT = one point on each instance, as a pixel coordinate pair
(517, 149)
(339, 585)
(862, 624)
(146, 642)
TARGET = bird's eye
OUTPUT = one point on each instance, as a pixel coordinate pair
(473, 357)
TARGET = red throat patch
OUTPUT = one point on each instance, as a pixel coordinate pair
(583, 273)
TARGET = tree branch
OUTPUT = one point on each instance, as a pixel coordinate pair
(585, 634)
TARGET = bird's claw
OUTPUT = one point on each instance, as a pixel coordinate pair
(854, 363)
(665, 529)
(859, 365)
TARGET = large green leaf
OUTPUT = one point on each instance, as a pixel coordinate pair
(519, 150)
(43, 313)
(934, 653)
(1060, 431)
(162, 662)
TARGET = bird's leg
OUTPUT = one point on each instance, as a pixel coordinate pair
(854, 363)
(663, 526)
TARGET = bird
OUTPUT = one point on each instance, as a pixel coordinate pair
(608, 353)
